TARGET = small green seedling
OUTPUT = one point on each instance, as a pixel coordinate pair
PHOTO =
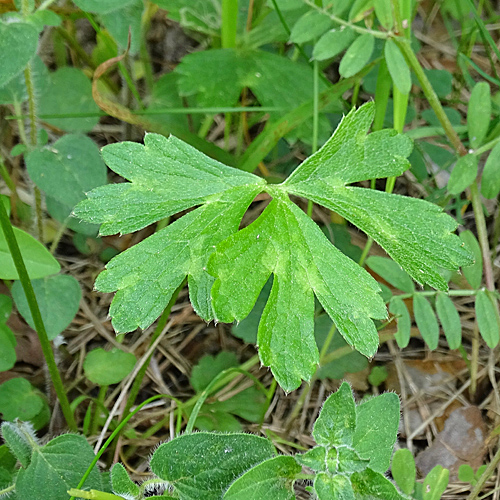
(466, 474)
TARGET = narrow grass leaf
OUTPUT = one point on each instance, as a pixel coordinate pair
(399, 309)
(426, 321)
(487, 318)
(463, 174)
(478, 113)
(273, 478)
(490, 180)
(397, 66)
(450, 320)
(357, 55)
(404, 470)
(333, 42)
(391, 272)
(474, 272)
(225, 458)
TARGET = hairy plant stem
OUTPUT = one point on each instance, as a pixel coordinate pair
(8, 490)
(20, 124)
(37, 318)
(30, 88)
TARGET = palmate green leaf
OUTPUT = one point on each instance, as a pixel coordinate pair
(227, 268)
(421, 245)
(285, 242)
